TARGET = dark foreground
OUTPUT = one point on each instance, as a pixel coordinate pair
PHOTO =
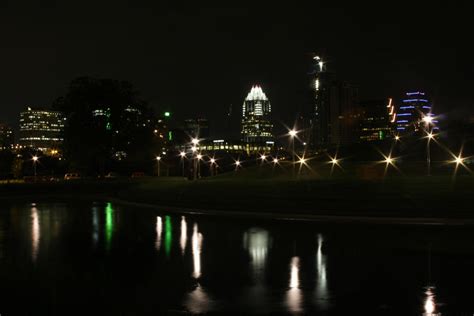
(86, 258)
(409, 197)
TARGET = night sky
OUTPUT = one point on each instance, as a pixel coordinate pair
(198, 61)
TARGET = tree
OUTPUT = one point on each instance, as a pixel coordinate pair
(105, 121)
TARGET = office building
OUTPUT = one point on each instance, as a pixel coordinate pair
(377, 120)
(197, 128)
(41, 129)
(257, 127)
(6, 136)
(412, 113)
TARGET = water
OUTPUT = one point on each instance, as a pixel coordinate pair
(91, 258)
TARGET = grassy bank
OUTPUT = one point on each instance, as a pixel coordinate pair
(267, 190)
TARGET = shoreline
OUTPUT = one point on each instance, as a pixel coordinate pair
(305, 217)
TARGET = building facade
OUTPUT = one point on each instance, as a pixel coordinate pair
(377, 120)
(197, 128)
(41, 129)
(335, 115)
(257, 127)
(411, 114)
(6, 136)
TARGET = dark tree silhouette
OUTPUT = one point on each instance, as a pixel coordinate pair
(107, 126)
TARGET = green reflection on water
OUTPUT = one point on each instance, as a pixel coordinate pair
(168, 237)
(109, 225)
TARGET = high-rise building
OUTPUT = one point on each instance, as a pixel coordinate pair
(377, 120)
(197, 128)
(335, 117)
(256, 118)
(41, 129)
(412, 113)
(6, 136)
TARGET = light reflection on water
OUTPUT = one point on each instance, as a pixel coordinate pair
(35, 233)
(430, 305)
(197, 245)
(198, 300)
(235, 265)
(294, 296)
(95, 226)
(257, 242)
(322, 293)
(159, 231)
(184, 238)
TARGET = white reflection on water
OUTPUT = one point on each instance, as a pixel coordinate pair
(430, 305)
(321, 281)
(159, 231)
(184, 236)
(197, 246)
(95, 226)
(294, 295)
(35, 233)
(198, 301)
(257, 242)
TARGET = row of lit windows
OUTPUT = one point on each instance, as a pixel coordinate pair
(43, 138)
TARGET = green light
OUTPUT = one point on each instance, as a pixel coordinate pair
(170, 135)
(168, 237)
(381, 135)
(167, 114)
(109, 225)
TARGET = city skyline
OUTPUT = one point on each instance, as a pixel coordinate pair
(381, 60)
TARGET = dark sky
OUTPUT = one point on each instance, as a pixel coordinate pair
(198, 60)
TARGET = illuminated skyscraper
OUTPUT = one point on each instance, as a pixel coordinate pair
(335, 117)
(415, 106)
(256, 120)
(41, 129)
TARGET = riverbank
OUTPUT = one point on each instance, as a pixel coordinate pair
(431, 200)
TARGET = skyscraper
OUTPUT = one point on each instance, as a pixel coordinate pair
(335, 117)
(256, 121)
(412, 112)
(6, 136)
(41, 129)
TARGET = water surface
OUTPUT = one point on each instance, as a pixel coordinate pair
(90, 258)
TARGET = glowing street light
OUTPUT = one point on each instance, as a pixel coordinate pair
(428, 119)
(199, 156)
(275, 160)
(158, 159)
(195, 141)
(293, 134)
(194, 149)
(211, 166)
(182, 155)
(397, 138)
(35, 160)
(237, 164)
(389, 160)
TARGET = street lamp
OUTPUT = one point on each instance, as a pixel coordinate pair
(237, 164)
(293, 134)
(158, 159)
(182, 155)
(212, 161)
(35, 160)
(428, 119)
